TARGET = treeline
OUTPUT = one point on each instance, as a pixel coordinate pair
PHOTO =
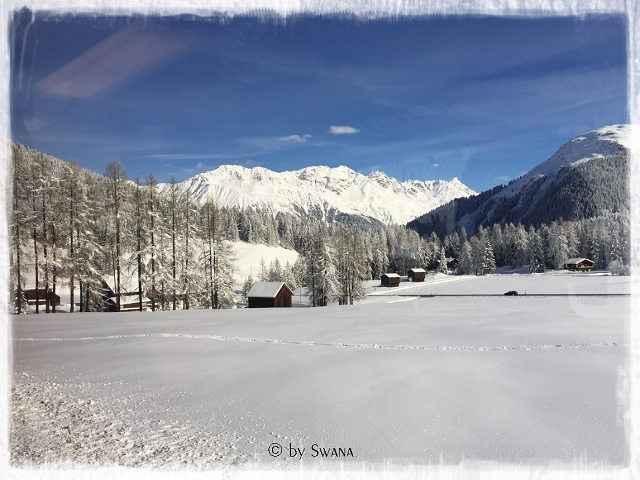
(603, 239)
(75, 228)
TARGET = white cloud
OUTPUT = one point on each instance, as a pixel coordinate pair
(295, 138)
(503, 179)
(435, 165)
(342, 130)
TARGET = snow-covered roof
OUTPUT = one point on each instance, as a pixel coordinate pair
(417, 270)
(573, 261)
(125, 299)
(391, 275)
(127, 284)
(265, 289)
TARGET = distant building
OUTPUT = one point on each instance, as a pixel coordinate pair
(269, 294)
(579, 264)
(452, 263)
(416, 274)
(390, 280)
(43, 295)
(129, 298)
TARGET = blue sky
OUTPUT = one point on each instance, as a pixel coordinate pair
(484, 99)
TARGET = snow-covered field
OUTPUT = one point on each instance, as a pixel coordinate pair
(524, 379)
(552, 283)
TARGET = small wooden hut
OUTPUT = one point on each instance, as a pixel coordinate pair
(452, 263)
(42, 297)
(269, 294)
(416, 274)
(579, 264)
(390, 280)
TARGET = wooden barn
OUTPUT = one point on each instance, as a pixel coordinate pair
(390, 280)
(42, 297)
(269, 294)
(416, 274)
(579, 264)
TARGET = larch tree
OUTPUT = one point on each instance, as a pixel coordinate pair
(117, 178)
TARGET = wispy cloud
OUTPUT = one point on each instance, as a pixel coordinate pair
(295, 138)
(502, 179)
(435, 165)
(114, 60)
(342, 130)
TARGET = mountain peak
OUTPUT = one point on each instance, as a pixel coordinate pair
(594, 144)
(584, 178)
(322, 189)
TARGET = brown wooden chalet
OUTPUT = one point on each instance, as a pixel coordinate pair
(416, 274)
(41, 296)
(269, 294)
(579, 264)
(452, 263)
(390, 280)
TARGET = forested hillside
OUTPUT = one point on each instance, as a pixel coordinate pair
(586, 177)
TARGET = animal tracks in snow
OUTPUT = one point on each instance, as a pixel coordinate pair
(335, 344)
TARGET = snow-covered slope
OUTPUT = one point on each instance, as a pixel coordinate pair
(584, 178)
(325, 191)
(611, 140)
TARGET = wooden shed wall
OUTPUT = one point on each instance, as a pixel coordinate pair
(416, 276)
(390, 281)
(260, 302)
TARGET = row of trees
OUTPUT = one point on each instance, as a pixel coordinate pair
(604, 239)
(76, 228)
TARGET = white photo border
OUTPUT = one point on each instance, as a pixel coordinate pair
(629, 388)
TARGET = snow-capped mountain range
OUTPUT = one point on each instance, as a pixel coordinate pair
(325, 191)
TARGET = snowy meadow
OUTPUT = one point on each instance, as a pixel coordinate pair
(397, 378)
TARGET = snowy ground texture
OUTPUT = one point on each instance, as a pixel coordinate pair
(525, 379)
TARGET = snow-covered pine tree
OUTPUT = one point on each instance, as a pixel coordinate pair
(465, 260)
(558, 246)
(496, 239)
(477, 254)
(321, 277)
(246, 287)
(378, 255)
(275, 272)
(488, 260)
(536, 253)
(442, 263)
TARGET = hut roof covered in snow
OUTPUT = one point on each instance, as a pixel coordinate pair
(265, 289)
